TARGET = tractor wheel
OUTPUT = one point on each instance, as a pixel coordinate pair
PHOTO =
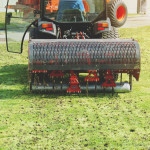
(117, 12)
(112, 34)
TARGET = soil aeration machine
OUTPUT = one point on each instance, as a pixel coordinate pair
(73, 50)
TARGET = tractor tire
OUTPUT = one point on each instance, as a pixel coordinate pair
(112, 34)
(117, 12)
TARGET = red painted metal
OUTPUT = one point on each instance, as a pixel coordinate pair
(56, 73)
(74, 84)
(121, 13)
(136, 74)
(109, 80)
(92, 76)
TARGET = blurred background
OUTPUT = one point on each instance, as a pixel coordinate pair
(134, 7)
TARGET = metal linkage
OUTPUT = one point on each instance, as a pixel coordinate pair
(109, 79)
(74, 84)
(92, 76)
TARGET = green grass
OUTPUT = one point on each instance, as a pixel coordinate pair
(133, 14)
(2, 20)
(40, 121)
(15, 23)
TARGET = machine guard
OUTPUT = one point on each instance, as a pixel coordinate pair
(19, 16)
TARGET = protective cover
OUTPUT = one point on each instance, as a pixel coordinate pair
(87, 54)
(19, 15)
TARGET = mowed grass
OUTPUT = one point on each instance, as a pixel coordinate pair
(52, 121)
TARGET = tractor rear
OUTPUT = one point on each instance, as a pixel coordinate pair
(71, 51)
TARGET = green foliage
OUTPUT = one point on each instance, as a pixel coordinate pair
(54, 121)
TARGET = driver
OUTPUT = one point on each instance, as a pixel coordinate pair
(70, 4)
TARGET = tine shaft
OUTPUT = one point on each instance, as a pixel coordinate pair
(35, 80)
(112, 91)
(61, 84)
(130, 81)
(104, 91)
(95, 88)
(121, 79)
(53, 85)
(38, 80)
(87, 87)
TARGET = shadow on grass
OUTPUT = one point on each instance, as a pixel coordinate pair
(14, 84)
(13, 74)
(2, 26)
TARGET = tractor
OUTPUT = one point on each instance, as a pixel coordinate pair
(73, 47)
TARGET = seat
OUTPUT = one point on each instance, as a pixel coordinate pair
(72, 15)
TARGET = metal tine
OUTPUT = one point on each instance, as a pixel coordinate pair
(44, 81)
(87, 83)
(35, 80)
(61, 82)
(104, 91)
(38, 79)
(112, 91)
(31, 81)
(121, 79)
(53, 85)
(130, 81)
(95, 88)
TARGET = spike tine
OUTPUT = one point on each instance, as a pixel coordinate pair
(130, 81)
(87, 87)
(120, 78)
(53, 85)
(112, 91)
(104, 91)
(61, 84)
(44, 82)
(95, 88)
(35, 80)
(38, 80)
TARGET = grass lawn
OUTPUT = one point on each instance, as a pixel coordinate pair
(2, 20)
(40, 121)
